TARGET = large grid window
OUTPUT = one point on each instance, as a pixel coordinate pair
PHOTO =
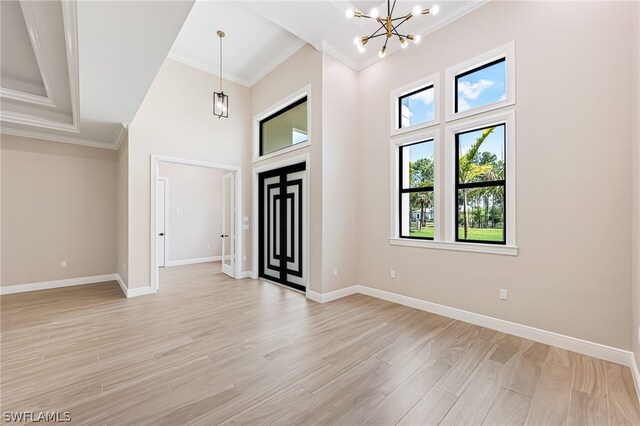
(480, 185)
(417, 202)
(416, 107)
(285, 128)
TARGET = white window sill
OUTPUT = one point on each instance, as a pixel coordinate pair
(446, 245)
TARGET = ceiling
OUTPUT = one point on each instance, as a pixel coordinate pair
(261, 34)
(77, 72)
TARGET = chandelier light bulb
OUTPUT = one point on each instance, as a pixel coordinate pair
(417, 10)
(357, 41)
(404, 43)
(361, 49)
(349, 13)
(416, 39)
(374, 13)
(434, 10)
(382, 53)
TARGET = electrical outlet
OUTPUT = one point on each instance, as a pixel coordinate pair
(392, 274)
(504, 294)
(63, 264)
(335, 272)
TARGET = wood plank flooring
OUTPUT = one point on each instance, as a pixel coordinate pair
(210, 350)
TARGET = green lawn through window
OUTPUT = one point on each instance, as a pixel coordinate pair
(480, 234)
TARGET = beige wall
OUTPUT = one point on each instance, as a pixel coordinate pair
(175, 119)
(195, 211)
(123, 210)
(58, 203)
(340, 167)
(303, 68)
(635, 116)
(573, 271)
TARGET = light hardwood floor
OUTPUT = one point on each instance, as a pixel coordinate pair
(208, 350)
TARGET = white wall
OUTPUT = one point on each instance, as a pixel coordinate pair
(573, 271)
(175, 119)
(635, 116)
(58, 203)
(195, 211)
(123, 211)
(341, 157)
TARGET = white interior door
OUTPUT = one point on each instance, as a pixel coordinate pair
(160, 222)
(228, 224)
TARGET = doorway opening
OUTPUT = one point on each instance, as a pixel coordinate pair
(195, 209)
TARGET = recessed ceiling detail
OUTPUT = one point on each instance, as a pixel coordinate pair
(74, 72)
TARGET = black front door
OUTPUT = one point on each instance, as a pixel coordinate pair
(281, 231)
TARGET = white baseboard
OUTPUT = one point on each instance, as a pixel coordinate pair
(45, 285)
(139, 291)
(123, 286)
(332, 295)
(193, 261)
(246, 274)
(636, 375)
(596, 350)
(132, 292)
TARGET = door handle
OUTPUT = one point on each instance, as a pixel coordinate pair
(161, 234)
(224, 236)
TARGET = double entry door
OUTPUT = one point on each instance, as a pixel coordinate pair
(281, 227)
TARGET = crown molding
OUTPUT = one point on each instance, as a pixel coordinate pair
(30, 22)
(32, 120)
(277, 60)
(70, 22)
(202, 67)
(29, 98)
(56, 138)
(120, 134)
(329, 48)
(273, 64)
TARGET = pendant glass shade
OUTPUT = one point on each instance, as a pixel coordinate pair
(220, 105)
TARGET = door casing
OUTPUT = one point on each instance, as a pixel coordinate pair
(155, 160)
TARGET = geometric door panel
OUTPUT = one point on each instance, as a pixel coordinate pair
(281, 237)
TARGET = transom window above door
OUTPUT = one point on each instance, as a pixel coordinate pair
(284, 128)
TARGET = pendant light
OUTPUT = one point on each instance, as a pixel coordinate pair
(220, 100)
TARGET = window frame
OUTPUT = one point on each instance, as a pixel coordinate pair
(506, 53)
(409, 89)
(445, 197)
(458, 186)
(278, 108)
(396, 186)
(402, 191)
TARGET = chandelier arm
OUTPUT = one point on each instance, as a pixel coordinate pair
(375, 33)
(395, 27)
(393, 8)
(221, 65)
